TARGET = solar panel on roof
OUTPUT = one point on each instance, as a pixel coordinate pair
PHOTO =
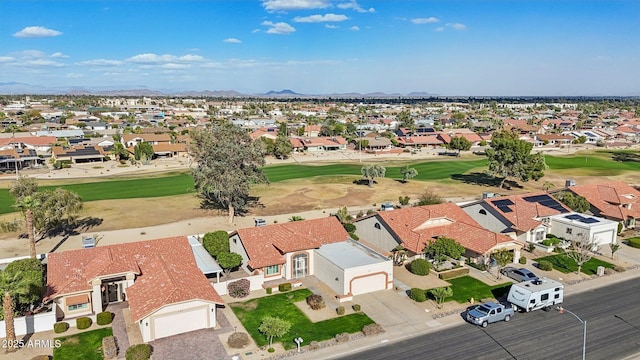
(502, 202)
(547, 201)
(582, 219)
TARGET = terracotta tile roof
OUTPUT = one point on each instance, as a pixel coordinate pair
(147, 137)
(30, 140)
(266, 245)
(522, 213)
(419, 140)
(616, 199)
(165, 269)
(418, 226)
(164, 147)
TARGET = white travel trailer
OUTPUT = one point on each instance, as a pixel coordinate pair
(536, 294)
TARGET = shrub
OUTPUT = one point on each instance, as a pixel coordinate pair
(109, 347)
(531, 247)
(349, 227)
(284, 287)
(634, 242)
(417, 295)
(420, 267)
(354, 236)
(104, 318)
(216, 242)
(271, 350)
(60, 327)
(372, 329)
(315, 301)
(356, 307)
(453, 273)
(83, 323)
(238, 340)
(342, 338)
(138, 352)
(620, 227)
(269, 290)
(619, 268)
(340, 310)
(523, 260)
(239, 289)
(545, 265)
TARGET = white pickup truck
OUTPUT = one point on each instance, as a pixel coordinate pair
(489, 312)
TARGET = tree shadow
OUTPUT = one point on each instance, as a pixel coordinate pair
(364, 182)
(482, 179)
(212, 204)
(67, 228)
(624, 156)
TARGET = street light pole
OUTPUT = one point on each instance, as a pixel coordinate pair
(584, 332)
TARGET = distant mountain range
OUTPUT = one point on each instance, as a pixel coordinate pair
(15, 88)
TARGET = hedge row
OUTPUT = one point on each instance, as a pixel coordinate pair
(453, 273)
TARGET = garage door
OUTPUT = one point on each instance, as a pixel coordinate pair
(363, 285)
(179, 322)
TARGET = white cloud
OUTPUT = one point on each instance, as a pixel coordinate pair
(281, 28)
(74, 75)
(457, 26)
(330, 26)
(6, 59)
(440, 29)
(36, 32)
(255, 31)
(59, 55)
(320, 18)
(31, 54)
(172, 66)
(232, 40)
(354, 28)
(101, 62)
(283, 5)
(43, 62)
(152, 59)
(353, 4)
(428, 20)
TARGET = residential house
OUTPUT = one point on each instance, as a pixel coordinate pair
(78, 153)
(584, 228)
(613, 200)
(166, 292)
(319, 247)
(416, 227)
(324, 144)
(131, 140)
(554, 139)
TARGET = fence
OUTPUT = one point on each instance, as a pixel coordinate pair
(255, 282)
(31, 323)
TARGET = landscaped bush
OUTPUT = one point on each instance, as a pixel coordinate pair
(453, 273)
(340, 310)
(271, 350)
(269, 290)
(417, 295)
(479, 266)
(349, 227)
(420, 267)
(284, 287)
(545, 265)
(83, 323)
(315, 301)
(356, 307)
(551, 242)
(139, 352)
(104, 318)
(342, 338)
(354, 236)
(523, 260)
(109, 347)
(531, 247)
(238, 340)
(60, 327)
(634, 242)
(239, 289)
(372, 329)
(216, 242)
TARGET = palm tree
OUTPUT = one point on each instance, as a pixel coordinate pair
(120, 151)
(27, 204)
(10, 286)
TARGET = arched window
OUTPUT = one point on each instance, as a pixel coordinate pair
(483, 211)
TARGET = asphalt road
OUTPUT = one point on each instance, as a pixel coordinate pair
(612, 314)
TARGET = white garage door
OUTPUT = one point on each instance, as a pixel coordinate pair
(368, 284)
(179, 322)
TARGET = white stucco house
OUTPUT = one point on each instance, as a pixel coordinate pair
(319, 247)
(166, 291)
(583, 227)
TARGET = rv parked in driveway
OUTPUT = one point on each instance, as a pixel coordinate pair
(536, 294)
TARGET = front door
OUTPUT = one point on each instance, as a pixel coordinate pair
(300, 263)
(112, 293)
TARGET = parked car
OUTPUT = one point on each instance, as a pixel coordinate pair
(521, 274)
(489, 312)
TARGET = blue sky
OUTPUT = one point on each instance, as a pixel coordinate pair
(447, 47)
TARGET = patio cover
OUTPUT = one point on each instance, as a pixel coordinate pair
(204, 261)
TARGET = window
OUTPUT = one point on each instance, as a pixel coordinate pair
(540, 236)
(482, 211)
(544, 297)
(377, 226)
(569, 231)
(499, 311)
(273, 269)
(556, 296)
(77, 306)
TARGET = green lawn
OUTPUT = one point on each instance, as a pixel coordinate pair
(282, 305)
(633, 242)
(82, 346)
(565, 265)
(600, 163)
(467, 287)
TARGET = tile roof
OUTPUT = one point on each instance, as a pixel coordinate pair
(523, 213)
(416, 227)
(266, 245)
(165, 269)
(609, 198)
(30, 140)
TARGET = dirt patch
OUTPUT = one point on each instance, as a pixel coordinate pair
(247, 306)
(325, 313)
